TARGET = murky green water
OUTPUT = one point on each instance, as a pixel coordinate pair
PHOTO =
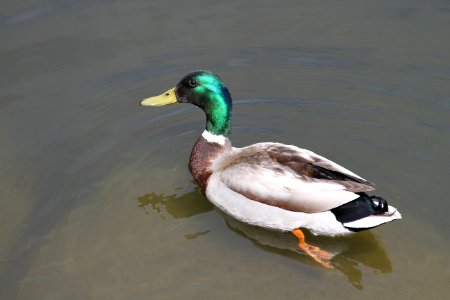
(97, 201)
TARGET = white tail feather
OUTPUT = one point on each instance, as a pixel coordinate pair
(375, 220)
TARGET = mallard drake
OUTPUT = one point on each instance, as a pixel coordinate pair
(272, 185)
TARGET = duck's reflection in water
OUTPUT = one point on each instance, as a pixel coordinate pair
(350, 252)
(184, 206)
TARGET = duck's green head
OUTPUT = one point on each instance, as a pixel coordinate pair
(205, 90)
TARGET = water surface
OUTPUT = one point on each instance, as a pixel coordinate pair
(97, 201)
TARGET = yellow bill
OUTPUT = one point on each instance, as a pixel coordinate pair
(165, 98)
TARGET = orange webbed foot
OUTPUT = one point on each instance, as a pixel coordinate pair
(321, 256)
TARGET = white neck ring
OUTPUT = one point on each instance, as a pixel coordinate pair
(212, 138)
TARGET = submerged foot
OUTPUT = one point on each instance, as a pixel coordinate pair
(321, 256)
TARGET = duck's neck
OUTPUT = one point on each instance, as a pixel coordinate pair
(218, 113)
(214, 138)
(207, 148)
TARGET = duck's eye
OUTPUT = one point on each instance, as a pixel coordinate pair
(192, 83)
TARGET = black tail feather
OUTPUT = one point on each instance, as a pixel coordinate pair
(361, 207)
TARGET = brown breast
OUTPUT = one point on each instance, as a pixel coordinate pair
(203, 154)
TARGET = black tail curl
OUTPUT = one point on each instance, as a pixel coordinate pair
(379, 205)
(361, 207)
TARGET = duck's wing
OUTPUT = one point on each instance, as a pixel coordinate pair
(289, 177)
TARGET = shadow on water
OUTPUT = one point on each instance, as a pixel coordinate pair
(351, 253)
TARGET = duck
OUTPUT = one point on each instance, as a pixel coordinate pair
(272, 185)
